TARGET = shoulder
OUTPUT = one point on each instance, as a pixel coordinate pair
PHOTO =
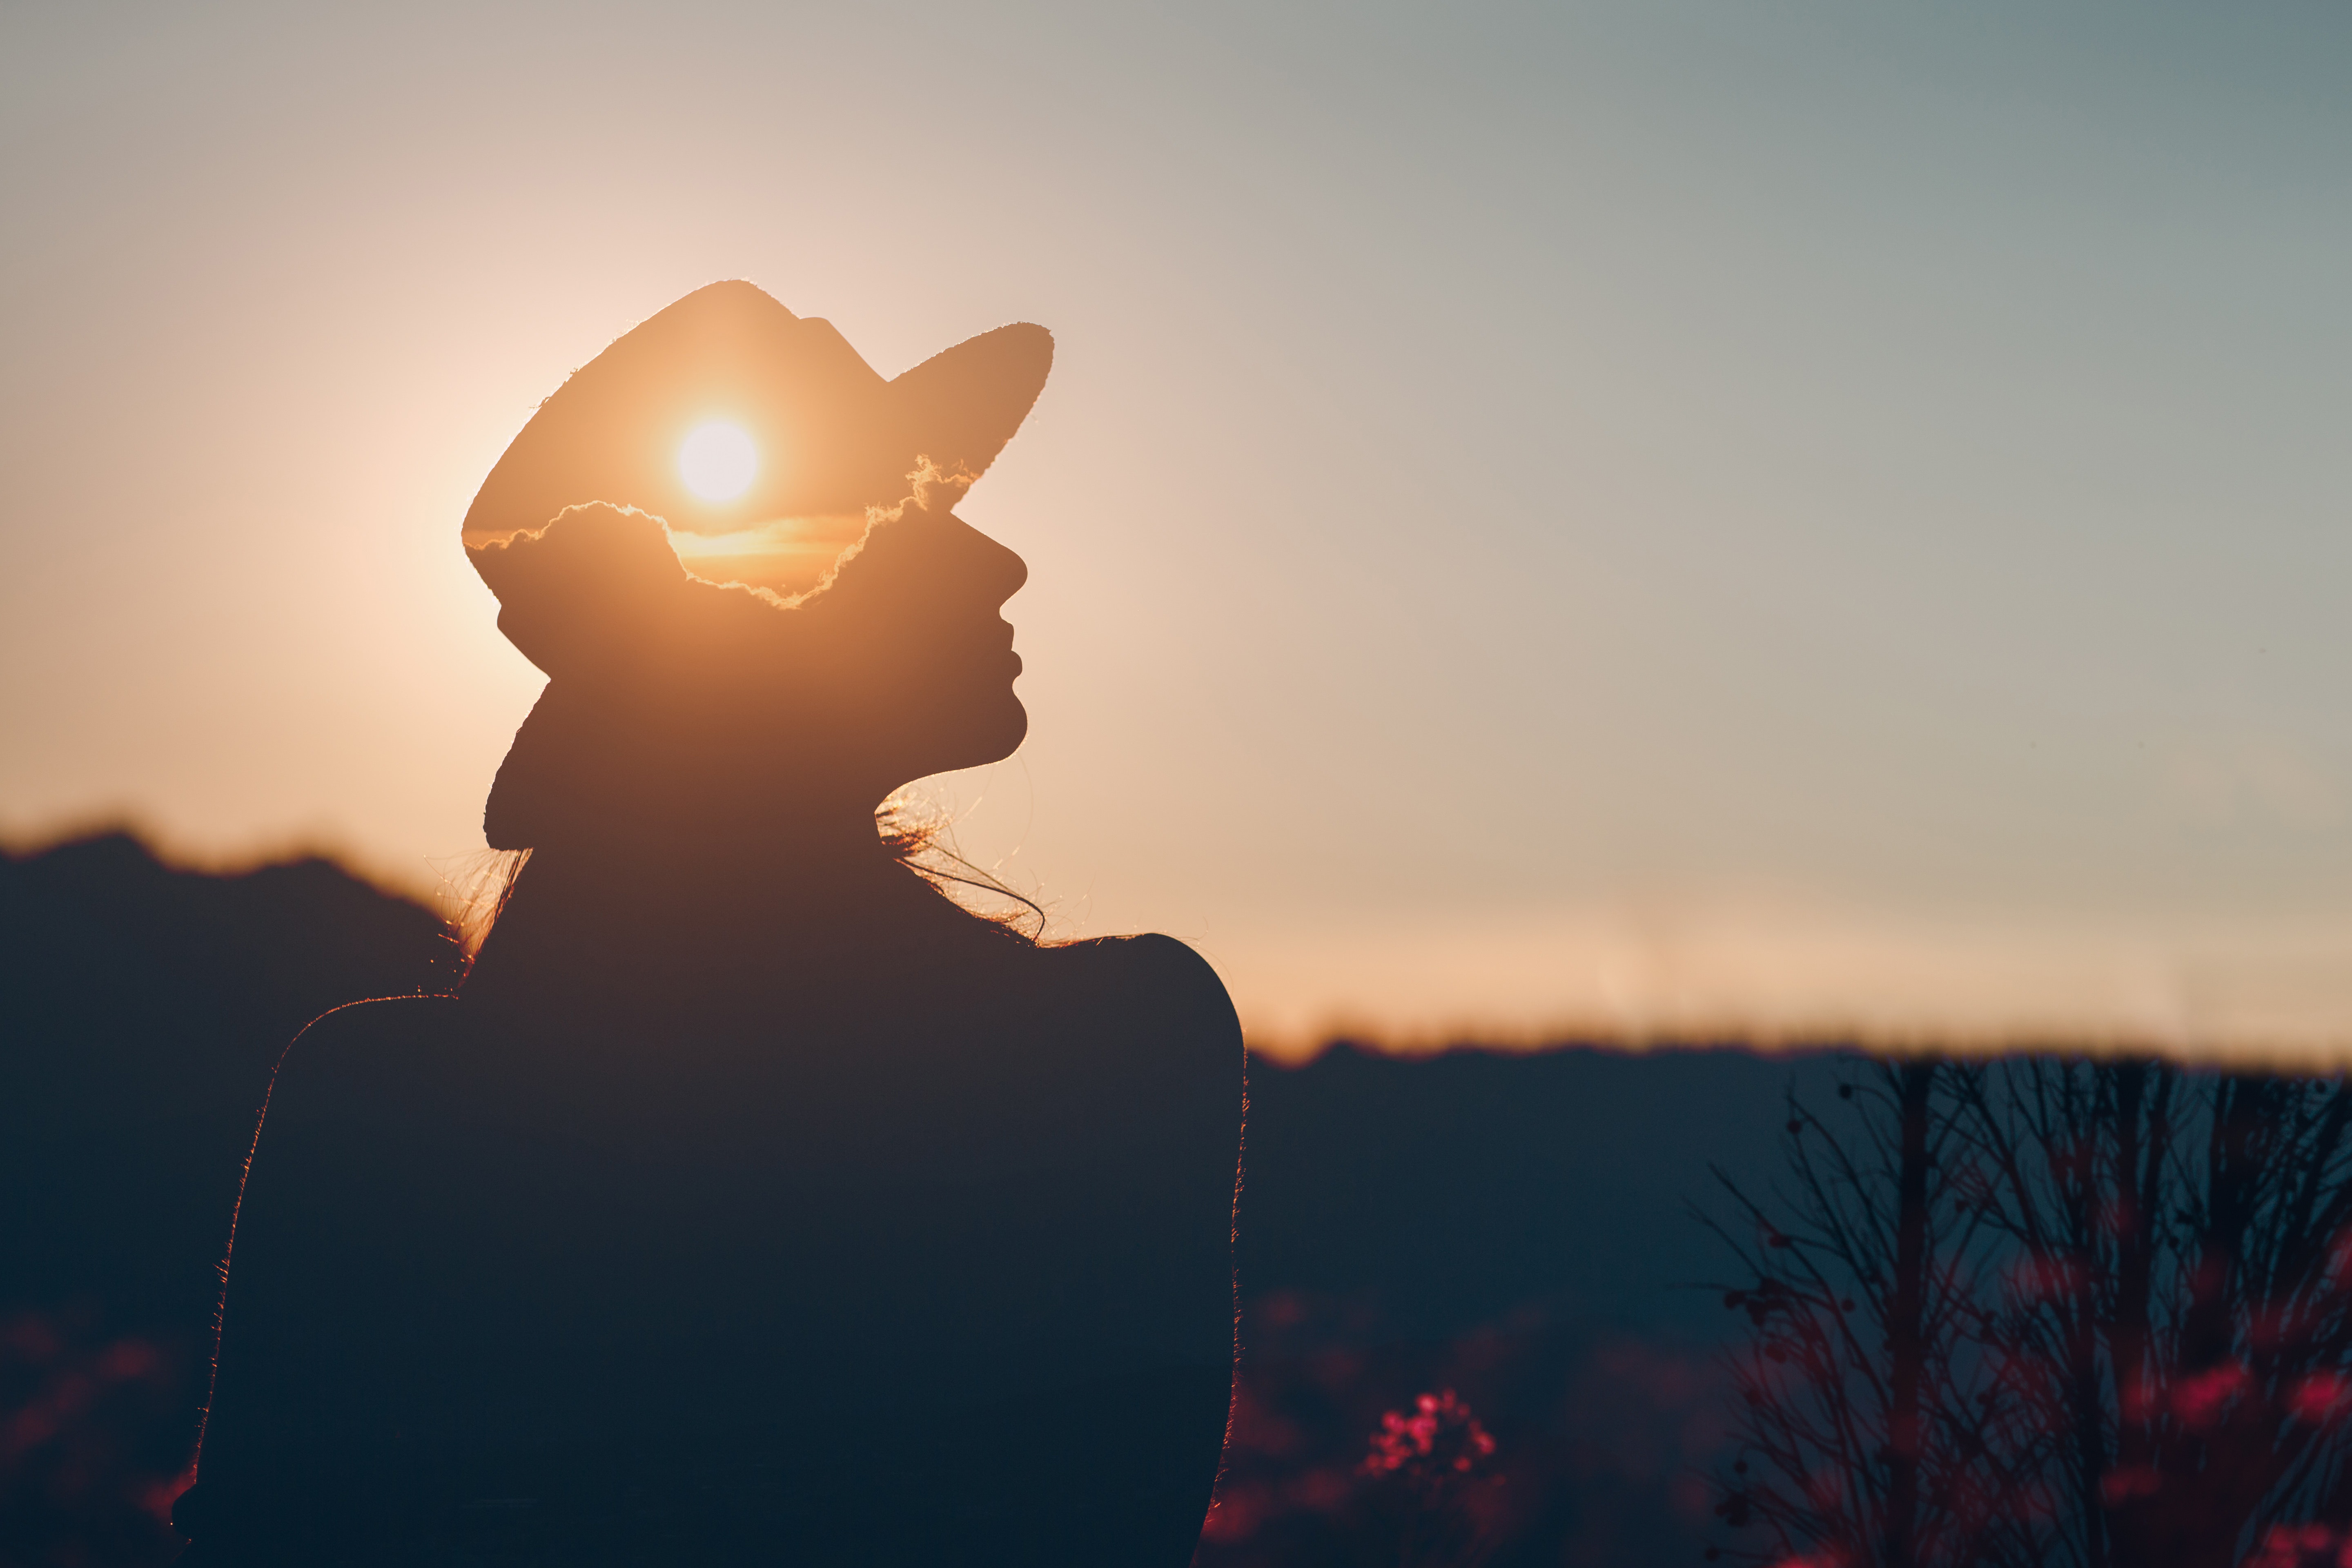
(378, 1125)
(1160, 1011)
(363, 1061)
(1155, 972)
(335, 1155)
(362, 1034)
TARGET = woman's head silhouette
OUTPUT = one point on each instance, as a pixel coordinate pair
(789, 653)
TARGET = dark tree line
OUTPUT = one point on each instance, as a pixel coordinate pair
(2047, 1311)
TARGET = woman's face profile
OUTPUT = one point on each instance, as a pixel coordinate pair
(907, 649)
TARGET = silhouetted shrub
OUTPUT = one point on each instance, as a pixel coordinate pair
(2042, 1311)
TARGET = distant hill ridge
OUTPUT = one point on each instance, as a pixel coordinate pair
(149, 984)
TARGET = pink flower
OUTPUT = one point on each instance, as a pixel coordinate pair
(2301, 1546)
(2201, 1399)
(2318, 1397)
(1439, 1436)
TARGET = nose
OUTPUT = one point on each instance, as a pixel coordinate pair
(993, 568)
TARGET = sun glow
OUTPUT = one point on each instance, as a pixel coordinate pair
(718, 460)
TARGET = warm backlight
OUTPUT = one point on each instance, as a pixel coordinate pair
(718, 460)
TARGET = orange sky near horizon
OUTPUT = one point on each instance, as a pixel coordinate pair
(1657, 519)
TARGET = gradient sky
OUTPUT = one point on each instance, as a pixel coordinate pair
(1649, 517)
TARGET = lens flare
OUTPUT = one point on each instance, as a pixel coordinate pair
(718, 460)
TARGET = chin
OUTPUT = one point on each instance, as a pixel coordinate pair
(1001, 725)
(971, 735)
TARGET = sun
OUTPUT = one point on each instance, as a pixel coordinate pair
(718, 460)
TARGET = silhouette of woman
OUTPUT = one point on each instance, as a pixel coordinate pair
(756, 1203)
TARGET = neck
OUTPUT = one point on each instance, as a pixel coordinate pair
(684, 897)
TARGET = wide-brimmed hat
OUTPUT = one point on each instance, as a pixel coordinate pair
(829, 437)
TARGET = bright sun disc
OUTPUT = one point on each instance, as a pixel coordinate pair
(717, 461)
